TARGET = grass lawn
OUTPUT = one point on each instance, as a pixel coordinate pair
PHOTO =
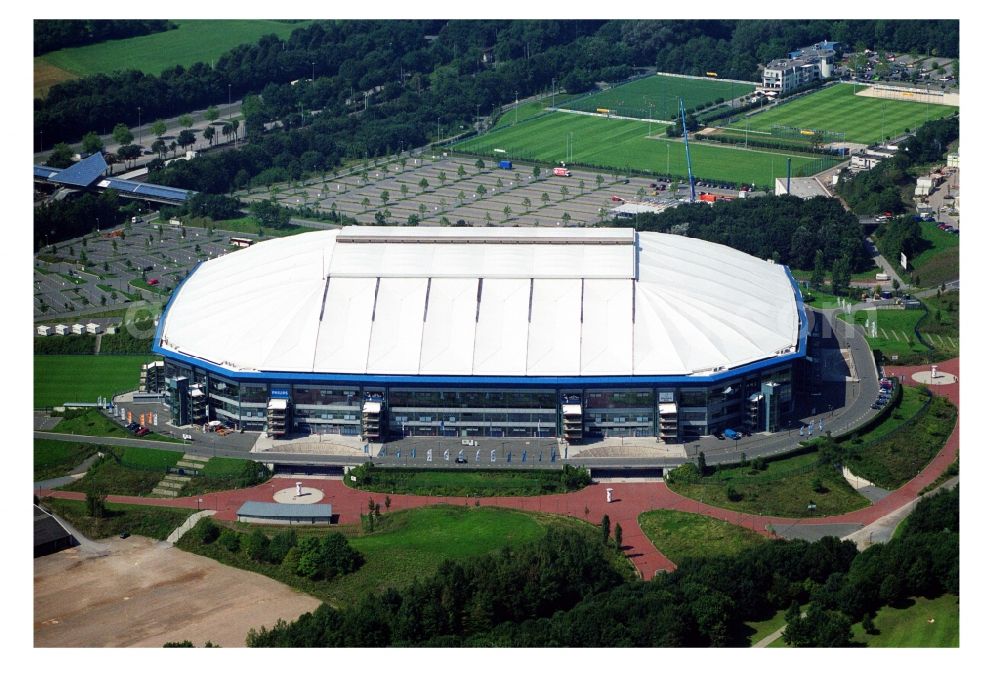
(56, 458)
(679, 535)
(247, 225)
(763, 628)
(895, 332)
(63, 378)
(137, 473)
(819, 299)
(409, 545)
(893, 461)
(458, 482)
(911, 627)
(949, 305)
(190, 42)
(152, 522)
(939, 262)
(222, 474)
(526, 110)
(785, 488)
(93, 423)
(625, 145)
(910, 402)
(863, 119)
(657, 96)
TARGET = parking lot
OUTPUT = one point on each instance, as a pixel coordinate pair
(441, 190)
(116, 260)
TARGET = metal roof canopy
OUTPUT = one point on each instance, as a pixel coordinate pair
(83, 173)
(267, 510)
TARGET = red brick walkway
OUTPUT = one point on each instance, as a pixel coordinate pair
(631, 499)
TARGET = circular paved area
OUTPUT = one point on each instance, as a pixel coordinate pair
(310, 495)
(941, 378)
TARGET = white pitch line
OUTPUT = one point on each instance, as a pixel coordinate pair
(952, 342)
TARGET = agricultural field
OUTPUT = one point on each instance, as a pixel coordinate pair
(190, 42)
(633, 145)
(63, 378)
(862, 119)
(657, 96)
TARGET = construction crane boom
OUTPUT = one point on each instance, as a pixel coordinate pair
(687, 152)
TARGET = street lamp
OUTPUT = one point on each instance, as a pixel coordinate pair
(515, 106)
(314, 70)
(140, 126)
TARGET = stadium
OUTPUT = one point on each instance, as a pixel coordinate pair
(384, 332)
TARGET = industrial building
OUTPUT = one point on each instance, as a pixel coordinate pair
(384, 332)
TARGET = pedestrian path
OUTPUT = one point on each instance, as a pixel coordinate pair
(188, 525)
(171, 485)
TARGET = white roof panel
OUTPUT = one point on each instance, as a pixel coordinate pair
(450, 328)
(398, 326)
(606, 342)
(502, 330)
(665, 305)
(344, 333)
(554, 331)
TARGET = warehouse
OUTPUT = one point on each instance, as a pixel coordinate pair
(384, 332)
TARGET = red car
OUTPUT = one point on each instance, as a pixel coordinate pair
(142, 431)
(153, 282)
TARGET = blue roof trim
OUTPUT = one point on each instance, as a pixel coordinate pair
(83, 173)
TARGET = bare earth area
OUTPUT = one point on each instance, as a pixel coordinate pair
(144, 593)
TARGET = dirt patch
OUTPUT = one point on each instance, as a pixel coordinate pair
(47, 75)
(144, 593)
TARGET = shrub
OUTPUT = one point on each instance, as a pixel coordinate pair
(230, 540)
(732, 494)
(207, 531)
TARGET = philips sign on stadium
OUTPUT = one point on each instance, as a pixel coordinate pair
(381, 332)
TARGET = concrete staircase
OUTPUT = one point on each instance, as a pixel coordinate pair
(171, 485)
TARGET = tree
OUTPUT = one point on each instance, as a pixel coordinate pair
(96, 503)
(384, 196)
(599, 180)
(526, 202)
(255, 545)
(840, 277)
(481, 190)
(535, 171)
(121, 134)
(403, 188)
(545, 198)
(186, 138)
(818, 276)
(159, 128)
(270, 214)
(185, 121)
(422, 209)
(159, 146)
(412, 219)
(507, 212)
(618, 535)
(209, 134)
(480, 164)
(605, 528)
(564, 191)
(92, 143)
(895, 284)
(423, 184)
(211, 114)
(461, 196)
(441, 177)
(61, 157)
(582, 186)
(461, 171)
(365, 202)
(702, 467)
(129, 152)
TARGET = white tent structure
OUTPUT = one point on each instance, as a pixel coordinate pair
(484, 302)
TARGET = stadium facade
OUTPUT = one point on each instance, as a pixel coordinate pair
(383, 332)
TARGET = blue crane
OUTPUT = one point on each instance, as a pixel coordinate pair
(687, 151)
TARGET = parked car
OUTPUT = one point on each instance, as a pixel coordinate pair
(460, 460)
(186, 437)
(142, 431)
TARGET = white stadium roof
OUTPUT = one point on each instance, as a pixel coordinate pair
(484, 302)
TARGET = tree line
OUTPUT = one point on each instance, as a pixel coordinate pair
(800, 233)
(55, 34)
(359, 65)
(562, 591)
(878, 190)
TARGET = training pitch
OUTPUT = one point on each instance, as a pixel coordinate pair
(656, 97)
(862, 119)
(632, 145)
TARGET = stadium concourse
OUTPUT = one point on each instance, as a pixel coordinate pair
(590, 504)
(380, 333)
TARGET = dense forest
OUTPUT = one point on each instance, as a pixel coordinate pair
(54, 34)
(796, 229)
(452, 68)
(563, 592)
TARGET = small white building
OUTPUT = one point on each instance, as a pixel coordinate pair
(925, 184)
(93, 328)
(43, 330)
(62, 329)
(112, 329)
(79, 329)
(864, 162)
(953, 160)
